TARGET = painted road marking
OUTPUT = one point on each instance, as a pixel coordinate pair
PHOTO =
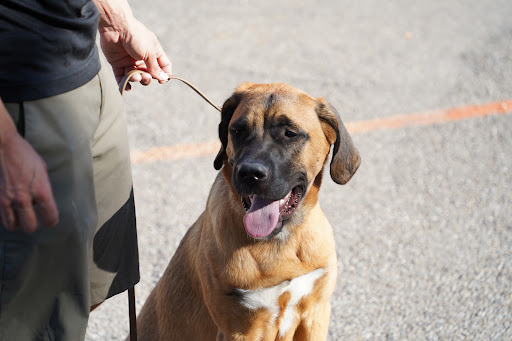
(176, 152)
(195, 150)
(430, 117)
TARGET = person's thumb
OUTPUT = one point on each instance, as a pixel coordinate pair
(154, 69)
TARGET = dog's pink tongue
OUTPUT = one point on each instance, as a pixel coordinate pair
(262, 217)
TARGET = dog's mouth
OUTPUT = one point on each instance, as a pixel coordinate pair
(264, 218)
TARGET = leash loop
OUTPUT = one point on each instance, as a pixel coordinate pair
(126, 78)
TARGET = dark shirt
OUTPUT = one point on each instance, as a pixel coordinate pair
(47, 47)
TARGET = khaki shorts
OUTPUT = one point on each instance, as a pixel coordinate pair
(50, 279)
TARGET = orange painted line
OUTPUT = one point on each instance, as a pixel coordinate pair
(430, 117)
(176, 152)
(195, 150)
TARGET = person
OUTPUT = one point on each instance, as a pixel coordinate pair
(67, 218)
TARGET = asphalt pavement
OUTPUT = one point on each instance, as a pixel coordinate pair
(424, 229)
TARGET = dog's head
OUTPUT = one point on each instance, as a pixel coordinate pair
(275, 142)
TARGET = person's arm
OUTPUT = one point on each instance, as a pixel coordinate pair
(128, 44)
(24, 182)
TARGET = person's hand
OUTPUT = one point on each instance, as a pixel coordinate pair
(128, 44)
(24, 184)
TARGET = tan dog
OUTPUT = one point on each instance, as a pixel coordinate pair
(259, 263)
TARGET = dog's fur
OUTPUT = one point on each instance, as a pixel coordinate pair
(222, 283)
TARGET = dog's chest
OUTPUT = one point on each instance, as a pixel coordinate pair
(280, 300)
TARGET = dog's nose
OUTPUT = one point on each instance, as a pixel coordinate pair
(253, 171)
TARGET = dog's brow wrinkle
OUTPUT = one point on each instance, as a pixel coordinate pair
(270, 101)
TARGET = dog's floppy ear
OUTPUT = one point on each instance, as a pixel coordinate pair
(228, 108)
(345, 157)
(227, 112)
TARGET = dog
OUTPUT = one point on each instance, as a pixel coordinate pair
(260, 261)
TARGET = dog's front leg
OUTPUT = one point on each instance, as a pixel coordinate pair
(315, 324)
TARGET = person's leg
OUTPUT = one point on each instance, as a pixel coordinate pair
(44, 293)
(114, 263)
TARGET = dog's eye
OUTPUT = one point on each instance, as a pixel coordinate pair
(235, 130)
(290, 134)
(238, 132)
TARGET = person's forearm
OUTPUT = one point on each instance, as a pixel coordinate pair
(7, 127)
(114, 15)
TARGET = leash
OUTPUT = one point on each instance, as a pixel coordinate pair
(126, 78)
(131, 292)
(132, 314)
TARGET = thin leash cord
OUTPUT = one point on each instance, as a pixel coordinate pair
(126, 78)
(132, 314)
(131, 292)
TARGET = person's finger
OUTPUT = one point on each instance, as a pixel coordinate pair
(24, 211)
(27, 218)
(120, 72)
(48, 212)
(124, 65)
(155, 60)
(165, 63)
(46, 206)
(137, 77)
(155, 70)
(8, 218)
(145, 78)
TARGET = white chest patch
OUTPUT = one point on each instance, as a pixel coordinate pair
(268, 298)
